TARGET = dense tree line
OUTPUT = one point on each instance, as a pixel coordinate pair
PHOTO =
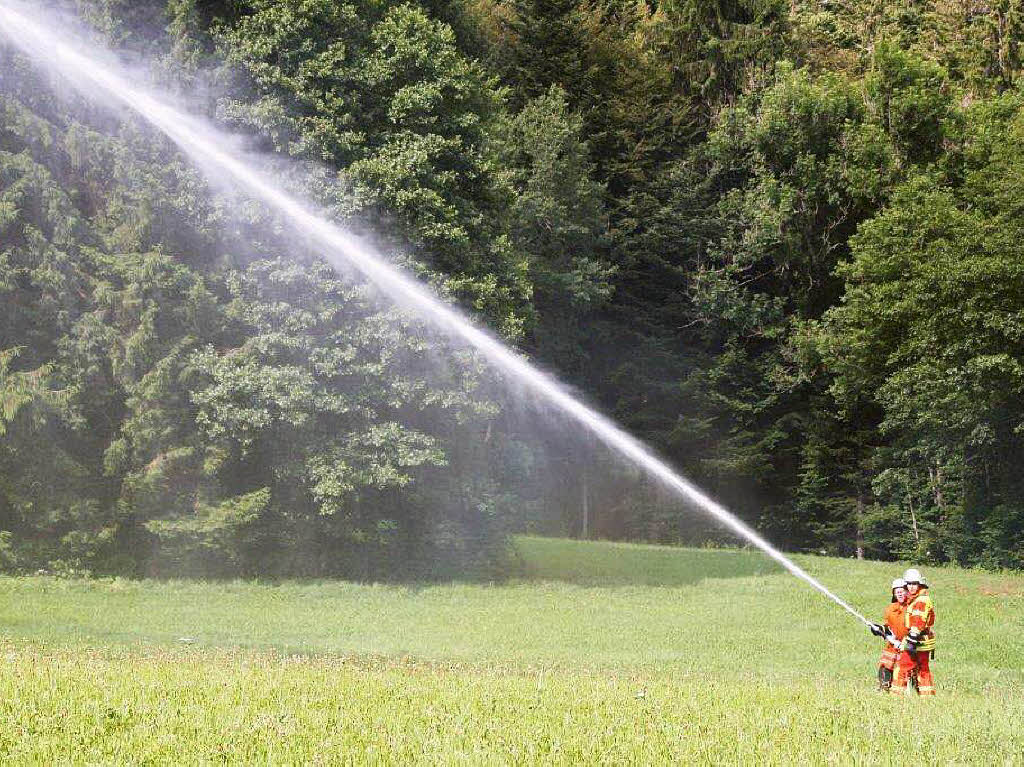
(778, 241)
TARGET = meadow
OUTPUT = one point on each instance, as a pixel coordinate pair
(600, 653)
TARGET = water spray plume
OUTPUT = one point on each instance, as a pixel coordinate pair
(212, 151)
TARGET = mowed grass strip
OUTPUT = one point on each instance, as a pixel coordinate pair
(603, 653)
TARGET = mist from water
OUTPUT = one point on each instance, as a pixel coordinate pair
(218, 156)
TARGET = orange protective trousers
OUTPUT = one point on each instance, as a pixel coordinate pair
(905, 666)
(888, 659)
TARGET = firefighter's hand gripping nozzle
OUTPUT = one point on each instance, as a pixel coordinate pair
(885, 632)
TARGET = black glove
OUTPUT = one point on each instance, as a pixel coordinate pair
(876, 629)
(911, 647)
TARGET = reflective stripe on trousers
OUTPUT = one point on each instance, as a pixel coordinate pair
(905, 666)
(888, 659)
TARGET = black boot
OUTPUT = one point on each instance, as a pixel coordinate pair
(884, 678)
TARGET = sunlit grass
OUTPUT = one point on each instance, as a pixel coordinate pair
(605, 652)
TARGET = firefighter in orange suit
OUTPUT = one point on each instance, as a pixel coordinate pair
(893, 630)
(919, 643)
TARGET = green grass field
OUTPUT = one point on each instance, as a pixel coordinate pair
(605, 653)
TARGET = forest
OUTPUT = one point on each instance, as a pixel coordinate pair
(780, 242)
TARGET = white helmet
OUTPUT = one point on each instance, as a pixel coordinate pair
(899, 583)
(913, 576)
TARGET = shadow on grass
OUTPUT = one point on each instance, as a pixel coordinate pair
(603, 563)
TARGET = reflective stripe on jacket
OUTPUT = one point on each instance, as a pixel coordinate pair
(920, 618)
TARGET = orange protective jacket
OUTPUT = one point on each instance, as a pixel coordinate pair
(896, 619)
(919, 619)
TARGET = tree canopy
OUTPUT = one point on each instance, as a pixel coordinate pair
(781, 243)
